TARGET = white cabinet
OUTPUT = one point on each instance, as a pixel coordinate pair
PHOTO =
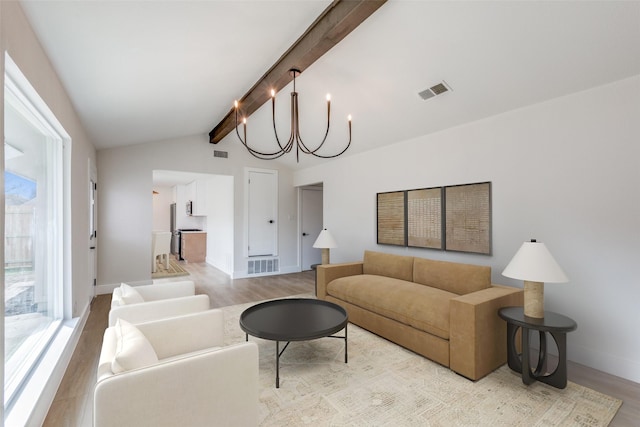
(190, 191)
(197, 193)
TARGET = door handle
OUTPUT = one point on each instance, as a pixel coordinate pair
(92, 247)
(305, 234)
(270, 221)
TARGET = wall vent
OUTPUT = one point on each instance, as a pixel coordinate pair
(264, 265)
(438, 89)
(222, 154)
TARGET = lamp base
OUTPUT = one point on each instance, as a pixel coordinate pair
(325, 255)
(534, 299)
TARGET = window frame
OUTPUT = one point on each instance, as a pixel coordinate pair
(23, 98)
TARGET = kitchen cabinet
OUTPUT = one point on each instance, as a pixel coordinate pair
(193, 247)
(197, 193)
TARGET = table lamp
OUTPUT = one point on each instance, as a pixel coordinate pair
(325, 241)
(534, 264)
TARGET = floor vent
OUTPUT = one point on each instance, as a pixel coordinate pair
(264, 265)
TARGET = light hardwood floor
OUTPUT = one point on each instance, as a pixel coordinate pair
(73, 403)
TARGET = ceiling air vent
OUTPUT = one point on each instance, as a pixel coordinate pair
(438, 89)
(218, 153)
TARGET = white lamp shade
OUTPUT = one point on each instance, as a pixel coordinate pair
(325, 240)
(533, 262)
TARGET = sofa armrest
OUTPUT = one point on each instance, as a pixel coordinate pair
(326, 273)
(217, 386)
(477, 336)
(158, 291)
(154, 310)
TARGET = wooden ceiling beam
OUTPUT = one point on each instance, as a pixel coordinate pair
(337, 20)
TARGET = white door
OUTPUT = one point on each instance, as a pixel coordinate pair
(93, 234)
(311, 212)
(262, 213)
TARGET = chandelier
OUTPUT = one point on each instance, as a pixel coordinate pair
(294, 136)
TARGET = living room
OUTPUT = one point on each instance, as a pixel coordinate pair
(563, 167)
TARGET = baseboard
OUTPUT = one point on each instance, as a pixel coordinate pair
(605, 362)
(37, 395)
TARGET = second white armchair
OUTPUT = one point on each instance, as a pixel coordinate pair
(151, 302)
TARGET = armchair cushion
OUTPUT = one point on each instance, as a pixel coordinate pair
(133, 349)
(129, 295)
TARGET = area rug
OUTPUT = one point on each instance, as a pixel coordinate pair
(175, 270)
(386, 385)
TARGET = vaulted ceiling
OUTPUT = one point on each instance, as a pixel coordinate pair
(142, 71)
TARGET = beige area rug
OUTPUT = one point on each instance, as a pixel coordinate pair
(386, 385)
(175, 270)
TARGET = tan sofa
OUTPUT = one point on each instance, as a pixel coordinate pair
(445, 311)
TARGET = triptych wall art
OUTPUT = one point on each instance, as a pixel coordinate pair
(452, 218)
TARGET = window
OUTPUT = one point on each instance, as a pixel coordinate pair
(33, 260)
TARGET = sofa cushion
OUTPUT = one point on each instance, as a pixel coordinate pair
(381, 264)
(421, 307)
(133, 349)
(453, 277)
(129, 295)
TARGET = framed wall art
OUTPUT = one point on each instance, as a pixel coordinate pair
(391, 218)
(424, 218)
(468, 218)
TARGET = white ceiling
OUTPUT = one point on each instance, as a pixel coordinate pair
(151, 70)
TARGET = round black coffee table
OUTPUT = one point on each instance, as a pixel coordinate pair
(294, 319)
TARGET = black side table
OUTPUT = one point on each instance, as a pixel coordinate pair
(555, 324)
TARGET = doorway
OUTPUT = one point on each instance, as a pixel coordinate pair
(215, 215)
(262, 212)
(93, 233)
(311, 221)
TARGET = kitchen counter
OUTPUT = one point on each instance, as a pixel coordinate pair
(193, 247)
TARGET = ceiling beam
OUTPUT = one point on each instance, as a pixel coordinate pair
(337, 20)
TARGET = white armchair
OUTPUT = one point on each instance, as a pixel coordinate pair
(152, 302)
(194, 382)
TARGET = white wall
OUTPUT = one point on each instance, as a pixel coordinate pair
(220, 223)
(565, 172)
(125, 209)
